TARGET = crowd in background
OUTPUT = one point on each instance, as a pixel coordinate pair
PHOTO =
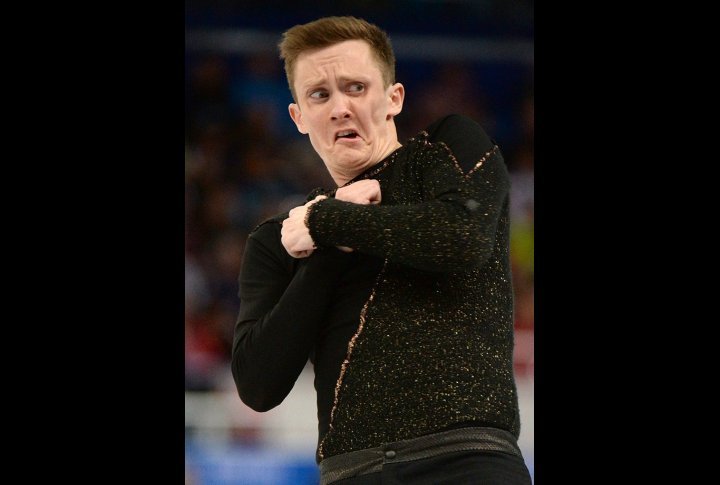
(245, 161)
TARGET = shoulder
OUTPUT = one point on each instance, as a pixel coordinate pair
(264, 249)
(452, 120)
(465, 138)
(271, 221)
(459, 129)
(268, 231)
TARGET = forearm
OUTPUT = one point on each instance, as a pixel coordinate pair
(435, 236)
(453, 232)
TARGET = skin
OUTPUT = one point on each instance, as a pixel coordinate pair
(340, 88)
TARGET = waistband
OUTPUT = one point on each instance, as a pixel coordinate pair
(372, 460)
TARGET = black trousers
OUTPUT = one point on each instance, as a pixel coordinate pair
(459, 468)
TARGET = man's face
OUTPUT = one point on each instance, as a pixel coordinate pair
(344, 107)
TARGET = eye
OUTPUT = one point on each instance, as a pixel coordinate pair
(356, 88)
(318, 94)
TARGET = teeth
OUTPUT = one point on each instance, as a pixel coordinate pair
(345, 133)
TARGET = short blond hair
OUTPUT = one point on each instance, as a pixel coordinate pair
(328, 31)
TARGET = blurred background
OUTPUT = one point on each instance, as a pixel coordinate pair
(245, 161)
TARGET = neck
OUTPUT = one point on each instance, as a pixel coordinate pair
(343, 178)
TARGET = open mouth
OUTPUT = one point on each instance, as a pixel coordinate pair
(347, 135)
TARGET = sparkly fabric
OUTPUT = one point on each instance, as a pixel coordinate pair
(435, 339)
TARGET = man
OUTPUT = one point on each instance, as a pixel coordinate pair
(396, 284)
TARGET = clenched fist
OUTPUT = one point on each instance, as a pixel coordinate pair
(295, 235)
(361, 192)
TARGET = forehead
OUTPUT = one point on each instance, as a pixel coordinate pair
(347, 57)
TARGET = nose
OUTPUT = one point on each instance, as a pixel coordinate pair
(340, 108)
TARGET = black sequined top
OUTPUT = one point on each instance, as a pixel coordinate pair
(412, 332)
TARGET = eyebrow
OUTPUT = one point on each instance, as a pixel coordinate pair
(317, 82)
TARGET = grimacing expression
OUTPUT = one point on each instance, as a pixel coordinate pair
(344, 107)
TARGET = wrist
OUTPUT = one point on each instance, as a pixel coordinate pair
(309, 205)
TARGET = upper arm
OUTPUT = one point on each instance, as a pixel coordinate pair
(264, 275)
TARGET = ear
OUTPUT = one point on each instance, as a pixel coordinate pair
(296, 116)
(396, 96)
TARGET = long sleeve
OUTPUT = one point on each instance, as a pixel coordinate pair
(451, 223)
(281, 308)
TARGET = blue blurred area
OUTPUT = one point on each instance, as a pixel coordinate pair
(238, 465)
(498, 18)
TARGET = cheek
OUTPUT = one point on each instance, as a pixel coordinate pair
(318, 121)
(310, 122)
(380, 109)
(317, 143)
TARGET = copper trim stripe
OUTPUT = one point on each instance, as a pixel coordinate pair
(482, 160)
(346, 362)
